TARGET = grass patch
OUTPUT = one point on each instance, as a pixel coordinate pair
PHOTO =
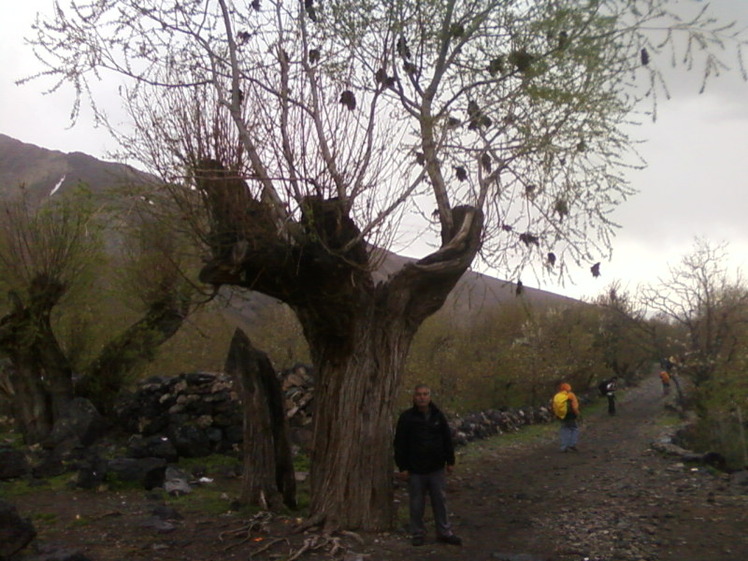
(301, 462)
(9, 437)
(80, 521)
(668, 419)
(20, 488)
(303, 498)
(206, 499)
(598, 405)
(214, 463)
(44, 518)
(529, 434)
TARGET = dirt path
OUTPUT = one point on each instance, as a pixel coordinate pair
(616, 499)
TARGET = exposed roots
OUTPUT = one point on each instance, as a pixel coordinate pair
(319, 541)
(324, 540)
(312, 522)
(267, 545)
(353, 535)
(258, 523)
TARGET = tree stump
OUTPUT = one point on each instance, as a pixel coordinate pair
(268, 466)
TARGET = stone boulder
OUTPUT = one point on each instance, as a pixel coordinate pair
(13, 463)
(154, 446)
(15, 532)
(190, 415)
(80, 424)
(149, 472)
(54, 552)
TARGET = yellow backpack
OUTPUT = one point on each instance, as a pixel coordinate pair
(561, 405)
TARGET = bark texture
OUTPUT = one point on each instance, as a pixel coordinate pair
(123, 356)
(359, 333)
(268, 465)
(39, 378)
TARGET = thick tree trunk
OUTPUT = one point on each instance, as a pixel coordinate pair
(352, 459)
(352, 462)
(40, 377)
(30, 404)
(121, 359)
(268, 466)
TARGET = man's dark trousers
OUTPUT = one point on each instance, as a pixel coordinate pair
(435, 484)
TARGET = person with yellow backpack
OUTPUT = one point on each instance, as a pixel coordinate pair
(566, 410)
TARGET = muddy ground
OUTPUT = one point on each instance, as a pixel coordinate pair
(513, 499)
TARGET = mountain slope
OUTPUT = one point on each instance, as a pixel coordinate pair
(43, 171)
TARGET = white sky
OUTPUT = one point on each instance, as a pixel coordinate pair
(695, 183)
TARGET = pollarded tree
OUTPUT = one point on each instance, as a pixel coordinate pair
(51, 254)
(43, 253)
(317, 133)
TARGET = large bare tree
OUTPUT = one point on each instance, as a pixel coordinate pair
(318, 133)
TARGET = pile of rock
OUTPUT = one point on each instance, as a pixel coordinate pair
(200, 413)
(190, 415)
(483, 424)
(297, 384)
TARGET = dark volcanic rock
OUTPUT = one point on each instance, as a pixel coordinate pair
(13, 463)
(15, 532)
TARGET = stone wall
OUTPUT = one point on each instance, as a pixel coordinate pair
(190, 415)
(197, 414)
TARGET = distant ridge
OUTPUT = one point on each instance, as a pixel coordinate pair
(476, 291)
(41, 170)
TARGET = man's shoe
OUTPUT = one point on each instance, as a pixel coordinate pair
(451, 539)
(573, 448)
(417, 540)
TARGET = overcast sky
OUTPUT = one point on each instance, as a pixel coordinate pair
(695, 183)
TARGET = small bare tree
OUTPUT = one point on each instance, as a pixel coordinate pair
(700, 296)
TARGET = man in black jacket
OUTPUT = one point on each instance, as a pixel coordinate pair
(424, 454)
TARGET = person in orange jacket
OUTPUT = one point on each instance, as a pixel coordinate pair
(665, 379)
(566, 409)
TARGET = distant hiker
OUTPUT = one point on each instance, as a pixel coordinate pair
(665, 379)
(608, 389)
(566, 409)
(424, 454)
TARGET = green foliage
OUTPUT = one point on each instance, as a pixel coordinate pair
(511, 356)
(203, 342)
(709, 308)
(302, 462)
(625, 337)
(722, 403)
(58, 238)
(541, 89)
